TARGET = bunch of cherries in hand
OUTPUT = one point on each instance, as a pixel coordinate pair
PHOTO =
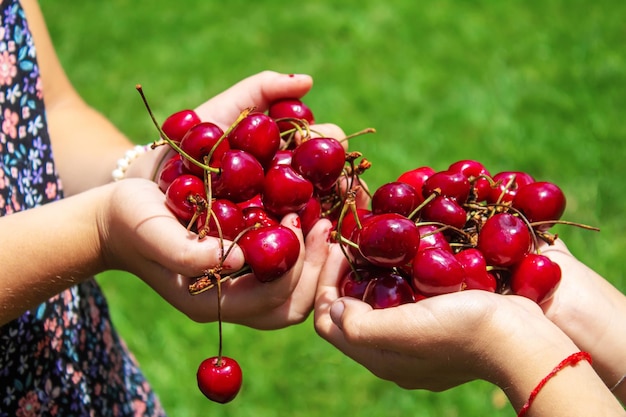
(236, 185)
(435, 232)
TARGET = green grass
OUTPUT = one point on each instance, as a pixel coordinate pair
(526, 85)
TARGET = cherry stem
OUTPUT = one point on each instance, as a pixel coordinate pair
(359, 133)
(219, 319)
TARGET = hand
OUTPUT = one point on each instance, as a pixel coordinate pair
(440, 342)
(141, 236)
(589, 310)
(285, 301)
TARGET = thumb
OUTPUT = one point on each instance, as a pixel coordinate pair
(346, 309)
(258, 91)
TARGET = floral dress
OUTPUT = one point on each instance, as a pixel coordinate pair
(64, 357)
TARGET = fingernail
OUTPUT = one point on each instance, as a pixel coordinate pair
(295, 222)
(336, 312)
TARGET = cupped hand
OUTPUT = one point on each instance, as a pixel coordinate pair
(436, 343)
(141, 236)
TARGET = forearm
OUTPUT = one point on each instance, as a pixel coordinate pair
(86, 145)
(47, 249)
(574, 390)
(593, 313)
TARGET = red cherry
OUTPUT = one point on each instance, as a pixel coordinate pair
(431, 236)
(310, 214)
(396, 197)
(240, 178)
(388, 240)
(285, 191)
(536, 277)
(229, 217)
(454, 185)
(504, 239)
(416, 177)
(254, 215)
(355, 281)
(349, 223)
(282, 157)
(199, 141)
(387, 289)
(475, 268)
(219, 379)
(477, 174)
(508, 182)
(171, 169)
(444, 210)
(177, 124)
(181, 194)
(290, 108)
(257, 134)
(540, 201)
(436, 271)
(319, 160)
(270, 251)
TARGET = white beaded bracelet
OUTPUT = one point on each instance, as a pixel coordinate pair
(124, 163)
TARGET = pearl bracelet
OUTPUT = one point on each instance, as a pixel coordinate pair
(123, 164)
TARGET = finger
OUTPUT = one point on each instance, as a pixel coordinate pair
(300, 303)
(246, 300)
(257, 91)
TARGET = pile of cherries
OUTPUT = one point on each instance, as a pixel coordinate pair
(435, 232)
(425, 234)
(236, 185)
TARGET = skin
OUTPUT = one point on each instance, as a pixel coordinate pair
(125, 225)
(444, 341)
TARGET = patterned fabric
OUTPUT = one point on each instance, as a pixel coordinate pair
(63, 358)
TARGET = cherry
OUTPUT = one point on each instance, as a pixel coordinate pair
(270, 251)
(388, 239)
(183, 194)
(475, 267)
(507, 184)
(444, 210)
(539, 202)
(170, 170)
(310, 214)
(177, 124)
(454, 185)
(229, 217)
(257, 134)
(349, 222)
(354, 282)
(255, 215)
(319, 160)
(252, 202)
(199, 141)
(387, 289)
(240, 177)
(477, 174)
(436, 271)
(282, 157)
(291, 108)
(504, 239)
(396, 197)
(431, 236)
(536, 277)
(416, 177)
(219, 378)
(285, 191)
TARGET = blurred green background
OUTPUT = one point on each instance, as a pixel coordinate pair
(537, 86)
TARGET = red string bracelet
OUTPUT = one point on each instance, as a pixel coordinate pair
(571, 360)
